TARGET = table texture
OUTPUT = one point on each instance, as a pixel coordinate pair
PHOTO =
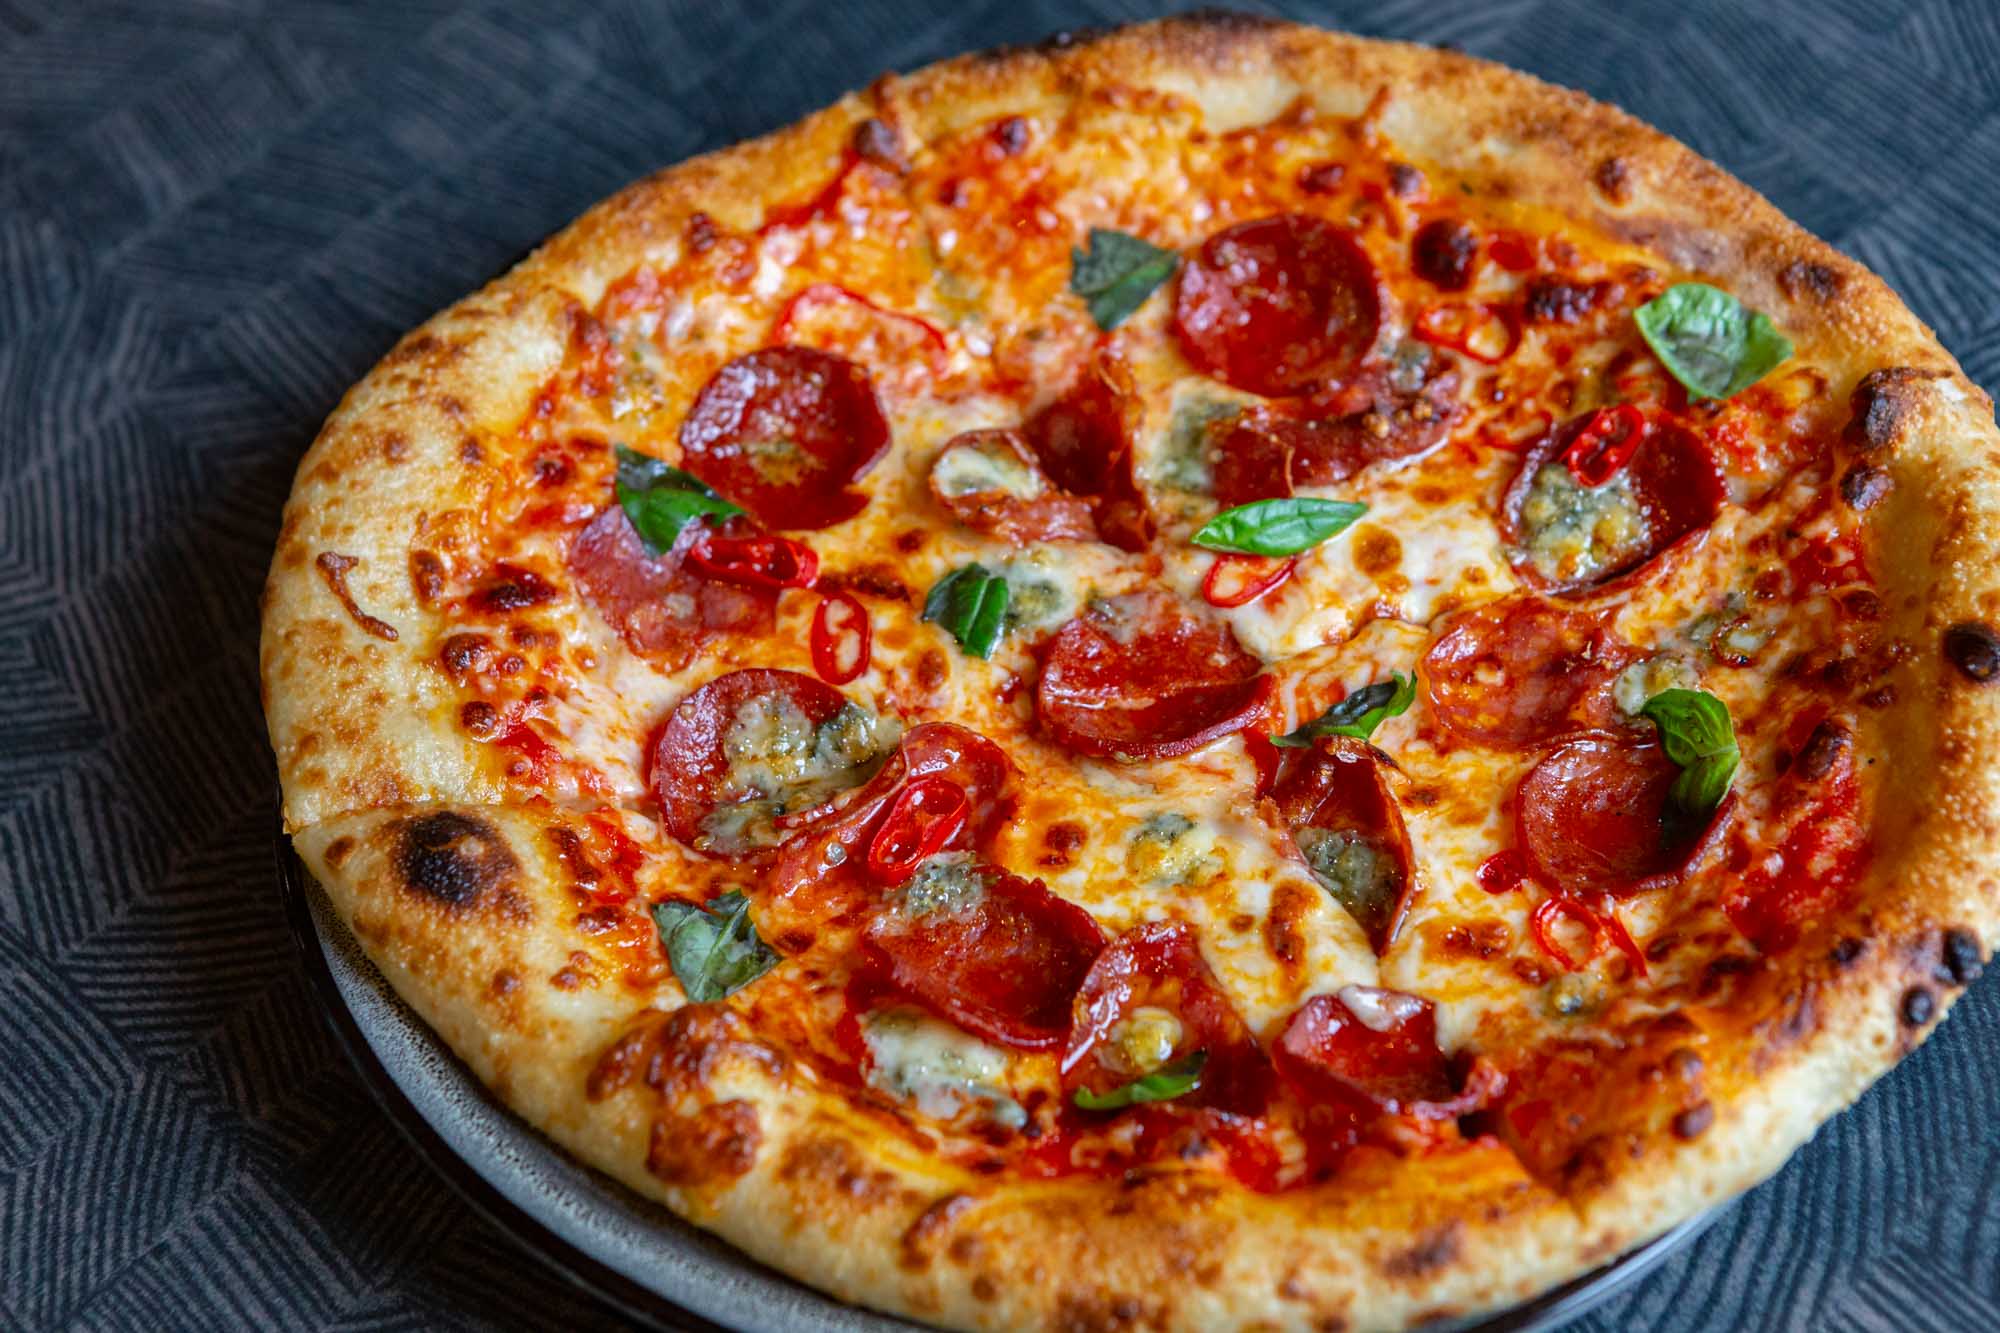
(216, 214)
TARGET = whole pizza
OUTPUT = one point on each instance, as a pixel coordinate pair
(1214, 675)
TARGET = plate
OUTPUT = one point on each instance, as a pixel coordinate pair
(629, 1251)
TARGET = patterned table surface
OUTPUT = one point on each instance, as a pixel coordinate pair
(216, 214)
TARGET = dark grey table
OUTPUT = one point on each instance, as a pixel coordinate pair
(216, 214)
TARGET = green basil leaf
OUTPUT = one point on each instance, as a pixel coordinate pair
(1278, 527)
(1709, 340)
(971, 604)
(1358, 714)
(714, 949)
(1163, 1084)
(1696, 733)
(1116, 274)
(661, 500)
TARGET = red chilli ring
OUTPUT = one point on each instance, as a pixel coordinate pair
(927, 814)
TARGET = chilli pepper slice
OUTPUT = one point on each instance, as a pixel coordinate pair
(1549, 912)
(1485, 332)
(757, 562)
(1621, 938)
(1237, 580)
(1605, 444)
(926, 814)
(1502, 872)
(841, 638)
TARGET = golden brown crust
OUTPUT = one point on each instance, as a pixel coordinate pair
(363, 750)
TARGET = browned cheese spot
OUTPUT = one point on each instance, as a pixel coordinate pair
(1284, 928)
(338, 851)
(1614, 179)
(333, 567)
(716, 1143)
(923, 1237)
(1434, 1250)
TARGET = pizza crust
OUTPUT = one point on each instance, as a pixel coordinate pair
(369, 749)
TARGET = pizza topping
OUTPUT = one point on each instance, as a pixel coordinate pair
(1553, 300)
(1164, 1084)
(1368, 1052)
(926, 815)
(661, 501)
(937, 1068)
(992, 483)
(1001, 960)
(1114, 274)
(888, 342)
(713, 947)
(1604, 444)
(1238, 580)
(1356, 714)
(656, 603)
(786, 431)
(1328, 437)
(760, 561)
(1278, 305)
(841, 638)
(1709, 341)
(1336, 800)
(1696, 733)
(1147, 1008)
(1598, 815)
(971, 604)
(1482, 330)
(1138, 677)
(1169, 848)
(1444, 253)
(1864, 486)
(1521, 672)
(750, 747)
(1278, 527)
(1649, 676)
(1543, 923)
(1974, 648)
(1083, 441)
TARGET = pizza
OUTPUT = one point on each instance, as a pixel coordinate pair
(1209, 676)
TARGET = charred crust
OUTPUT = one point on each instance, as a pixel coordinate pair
(1693, 1122)
(1881, 403)
(1974, 648)
(676, 1054)
(1804, 279)
(876, 141)
(1864, 486)
(1847, 951)
(923, 1237)
(451, 858)
(1960, 959)
(338, 851)
(717, 1142)
(1434, 1251)
(1825, 748)
(1918, 1007)
(1613, 179)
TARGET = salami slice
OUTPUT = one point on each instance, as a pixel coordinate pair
(1656, 483)
(659, 605)
(1521, 672)
(997, 954)
(1335, 798)
(1817, 846)
(1149, 1000)
(1278, 305)
(1593, 817)
(785, 432)
(1143, 677)
(1363, 1054)
(1083, 440)
(1332, 435)
(992, 483)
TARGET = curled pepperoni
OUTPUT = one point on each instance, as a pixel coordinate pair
(1142, 677)
(1149, 1000)
(1265, 452)
(1277, 305)
(1815, 846)
(1566, 536)
(997, 954)
(1335, 798)
(785, 432)
(992, 483)
(727, 747)
(659, 604)
(1520, 672)
(1083, 440)
(1594, 817)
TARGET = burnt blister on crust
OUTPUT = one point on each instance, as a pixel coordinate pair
(1919, 1006)
(451, 858)
(1974, 648)
(1960, 959)
(1803, 278)
(1864, 486)
(1881, 403)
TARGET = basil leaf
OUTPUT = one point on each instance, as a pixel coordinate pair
(1163, 1084)
(1117, 273)
(1278, 527)
(1358, 714)
(714, 949)
(661, 500)
(1696, 733)
(971, 604)
(1709, 340)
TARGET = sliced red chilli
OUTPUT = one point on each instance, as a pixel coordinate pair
(1238, 580)
(658, 604)
(760, 561)
(1142, 677)
(1335, 798)
(923, 818)
(1278, 305)
(997, 954)
(1149, 1001)
(1328, 437)
(740, 751)
(991, 482)
(1520, 672)
(1083, 441)
(785, 432)
(1605, 494)
(841, 638)
(1594, 817)
(828, 315)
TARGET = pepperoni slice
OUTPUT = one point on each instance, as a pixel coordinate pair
(1084, 442)
(1329, 437)
(992, 483)
(659, 605)
(1150, 999)
(1141, 677)
(1593, 817)
(997, 954)
(1520, 672)
(1815, 848)
(785, 432)
(1277, 305)
(1335, 798)
(1566, 537)
(735, 752)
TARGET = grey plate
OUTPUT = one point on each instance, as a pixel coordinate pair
(621, 1247)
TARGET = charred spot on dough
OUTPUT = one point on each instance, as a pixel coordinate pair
(1882, 402)
(922, 1238)
(452, 858)
(1864, 486)
(1804, 279)
(1974, 648)
(719, 1142)
(338, 851)
(875, 140)
(1097, 1312)
(1614, 179)
(833, 1162)
(1846, 952)
(1918, 1006)
(1693, 1122)
(1434, 1251)
(1960, 958)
